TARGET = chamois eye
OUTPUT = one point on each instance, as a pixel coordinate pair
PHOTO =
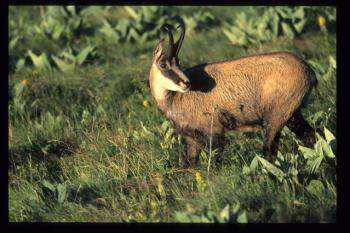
(163, 66)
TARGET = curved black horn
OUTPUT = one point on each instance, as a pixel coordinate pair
(178, 43)
(170, 50)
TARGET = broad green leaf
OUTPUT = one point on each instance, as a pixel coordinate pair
(262, 27)
(61, 193)
(196, 218)
(83, 54)
(63, 65)
(286, 12)
(254, 164)
(71, 9)
(165, 125)
(51, 23)
(50, 119)
(242, 217)
(49, 186)
(236, 36)
(300, 25)
(328, 134)
(146, 133)
(123, 27)
(37, 29)
(225, 214)
(190, 23)
(299, 13)
(131, 12)
(327, 150)
(14, 41)
(74, 24)
(208, 15)
(287, 30)
(40, 62)
(318, 146)
(332, 62)
(58, 30)
(314, 164)
(142, 39)
(246, 170)
(315, 117)
(56, 12)
(20, 64)
(318, 66)
(96, 11)
(241, 20)
(307, 152)
(237, 207)
(19, 87)
(278, 173)
(148, 13)
(108, 30)
(68, 55)
(100, 110)
(275, 25)
(315, 187)
(211, 216)
(133, 35)
(182, 217)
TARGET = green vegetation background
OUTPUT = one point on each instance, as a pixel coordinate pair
(87, 142)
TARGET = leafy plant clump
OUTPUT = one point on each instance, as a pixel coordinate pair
(72, 27)
(226, 215)
(144, 23)
(274, 22)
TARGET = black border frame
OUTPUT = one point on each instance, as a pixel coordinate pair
(343, 76)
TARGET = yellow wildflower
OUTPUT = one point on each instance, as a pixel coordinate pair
(322, 21)
(24, 82)
(145, 104)
(200, 181)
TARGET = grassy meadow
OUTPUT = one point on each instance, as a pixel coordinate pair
(88, 144)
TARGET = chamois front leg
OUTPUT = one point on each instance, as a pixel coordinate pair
(192, 147)
(218, 143)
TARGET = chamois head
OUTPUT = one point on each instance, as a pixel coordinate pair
(167, 74)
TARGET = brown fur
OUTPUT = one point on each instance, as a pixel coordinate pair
(261, 91)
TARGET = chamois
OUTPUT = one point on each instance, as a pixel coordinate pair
(260, 91)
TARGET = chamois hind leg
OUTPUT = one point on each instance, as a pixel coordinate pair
(272, 136)
(192, 147)
(273, 124)
(298, 125)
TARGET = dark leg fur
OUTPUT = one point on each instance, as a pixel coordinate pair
(218, 142)
(298, 125)
(192, 147)
(272, 137)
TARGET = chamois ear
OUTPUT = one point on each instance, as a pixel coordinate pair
(158, 50)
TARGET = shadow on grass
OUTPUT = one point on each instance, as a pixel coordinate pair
(43, 151)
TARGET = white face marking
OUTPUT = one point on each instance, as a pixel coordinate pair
(165, 83)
